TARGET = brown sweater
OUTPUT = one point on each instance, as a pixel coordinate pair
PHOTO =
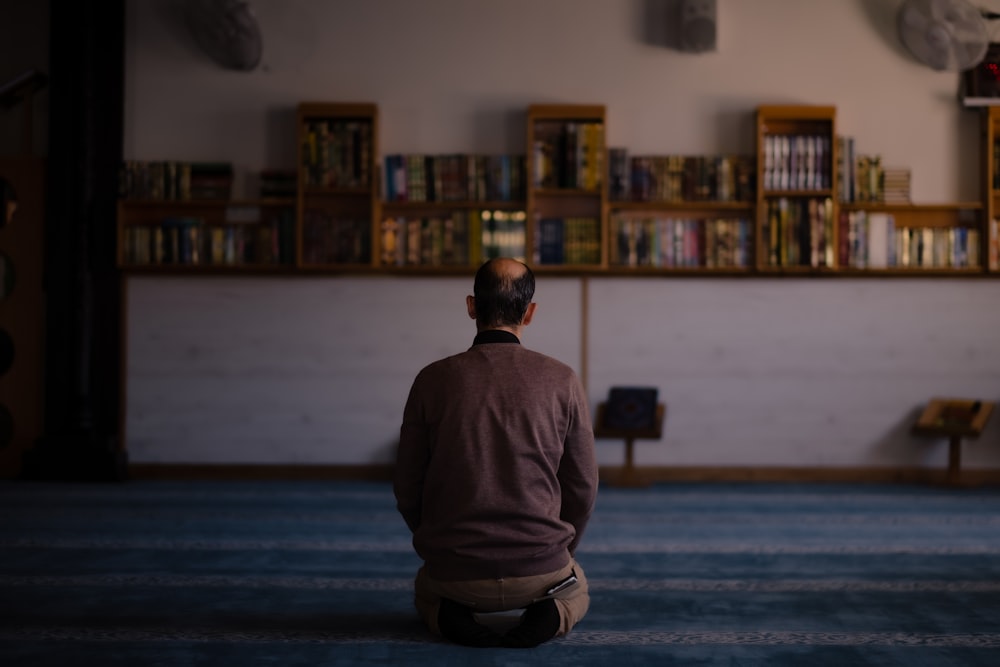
(496, 473)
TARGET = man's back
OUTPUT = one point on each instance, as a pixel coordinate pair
(496, 476)
(494, 422)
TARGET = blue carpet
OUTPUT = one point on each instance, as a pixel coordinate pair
(309, 573)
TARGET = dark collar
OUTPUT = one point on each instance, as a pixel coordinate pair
(495, 336)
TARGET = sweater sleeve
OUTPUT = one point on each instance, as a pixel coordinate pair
(578, 477)
(411, 461)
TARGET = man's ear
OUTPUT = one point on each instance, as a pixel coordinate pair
(470, 304)
(528, 314)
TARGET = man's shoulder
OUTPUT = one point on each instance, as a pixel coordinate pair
(542, 358)
(441, 364)
(526, 355)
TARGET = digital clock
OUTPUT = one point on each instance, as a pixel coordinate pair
(981, 84)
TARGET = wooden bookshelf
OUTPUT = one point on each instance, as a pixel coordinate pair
(952, 231)
(208, 236)
(990, 170)
(558, 214)
(450, 212)
(681, 214)
(567, 187)
(338, 203)
(796, 189)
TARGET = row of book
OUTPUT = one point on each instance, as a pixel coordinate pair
(175, 180)
(866, 240)
(462, 238)
(278, 183)
(863, 178)
(871, 240)
(190, 241)
(570, 240)
(568, 154)
(337, 153)
(797, 162)
(799, 232)
(895, 185)
(667, 242)
(454, 177)
(993, 251)
(328, 238)
(995, 156)
(680, 178)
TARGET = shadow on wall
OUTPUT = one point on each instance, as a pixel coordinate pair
(513, 126)
(900, 445)
(280, 146)
(652, 22)
(735, 128)
(385, 453)
(882, 20)
(658, 24)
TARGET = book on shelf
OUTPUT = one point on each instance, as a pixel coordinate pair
(453, 178)
(796, 162)
(457, 238)
(631, 408)
(550, 241)
(670, 242)
(336, 152)
(328, 238)
(868, 178)
(567, 240)
(881, 228)
(618, 174)
(503, 234)
(846, 164)
(937, 247)
(211, 181)
(799, 231)
(993, 253)
(568, 154)
(681, 178)
(960, 414)
(867, 240)
(175, 180)
(428, 241)
(896, 185)
(278, 183)
(244, 235)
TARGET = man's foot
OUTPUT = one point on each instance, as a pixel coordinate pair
(539, 624)
(459, 625)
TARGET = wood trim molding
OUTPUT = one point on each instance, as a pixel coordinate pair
(243, 471)
(382, 472)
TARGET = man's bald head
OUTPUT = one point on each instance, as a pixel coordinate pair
(503, 290)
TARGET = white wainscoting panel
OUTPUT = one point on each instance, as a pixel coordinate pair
(298, 370)
(797, 372)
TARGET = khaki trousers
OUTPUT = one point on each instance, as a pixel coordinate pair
(492, 595)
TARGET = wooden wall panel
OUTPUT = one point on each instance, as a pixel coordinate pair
(22, 310)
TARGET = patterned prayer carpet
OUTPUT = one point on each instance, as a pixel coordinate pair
(310, 573)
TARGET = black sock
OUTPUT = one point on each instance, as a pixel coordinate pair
(459, 625)
(539, 623)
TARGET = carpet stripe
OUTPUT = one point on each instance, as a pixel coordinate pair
(577, 637)
(610, 519)
(397, 546)
(596, 585)
(653, 499)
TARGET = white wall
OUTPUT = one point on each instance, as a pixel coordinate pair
(795, 372)
(255, 370)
